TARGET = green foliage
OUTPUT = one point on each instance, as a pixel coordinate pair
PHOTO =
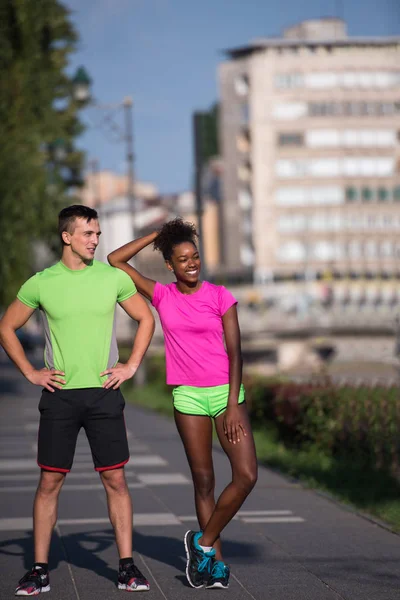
(340, 440)
(360, 423)
(36, 108)
(207, 134)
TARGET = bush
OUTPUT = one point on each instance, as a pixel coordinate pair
(355, 422)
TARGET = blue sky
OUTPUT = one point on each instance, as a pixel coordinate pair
(165, 54)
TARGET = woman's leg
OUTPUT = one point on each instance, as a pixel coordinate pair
(196, 435)
(242, 457)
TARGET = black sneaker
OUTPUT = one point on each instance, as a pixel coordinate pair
(199, 563)
(131, 579)
(33, 583)
(219, 577)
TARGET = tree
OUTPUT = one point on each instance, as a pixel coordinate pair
(38, 119)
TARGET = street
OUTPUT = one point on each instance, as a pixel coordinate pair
(287, 543)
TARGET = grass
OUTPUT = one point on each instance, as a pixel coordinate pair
(371, 491)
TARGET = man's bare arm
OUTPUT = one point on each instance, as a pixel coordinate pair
(15, 317)
(137, 308)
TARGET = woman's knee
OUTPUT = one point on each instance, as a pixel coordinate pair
(246, 478)
(204, 482)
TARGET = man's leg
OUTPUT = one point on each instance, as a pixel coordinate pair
(120, 512)
(45, 507)
(45, 512)
(119, 504)
(105, 429)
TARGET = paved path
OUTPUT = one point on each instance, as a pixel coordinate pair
(287, 543)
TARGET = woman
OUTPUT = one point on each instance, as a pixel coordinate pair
(196, 317)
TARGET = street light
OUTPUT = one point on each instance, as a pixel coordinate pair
(81, 83)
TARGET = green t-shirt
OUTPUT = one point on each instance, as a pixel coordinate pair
(78, 309)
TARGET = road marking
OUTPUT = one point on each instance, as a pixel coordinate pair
(135, 461)
(272, 520)
(264, 513)
(84, 450)
(139, 519)
(31, 427)
(163, 478)
(17, 464)
(257, 516)
(19, 477)
(67, 487)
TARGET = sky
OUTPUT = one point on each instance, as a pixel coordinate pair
(165, 54)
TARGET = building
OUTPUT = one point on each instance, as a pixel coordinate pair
(310, 136)
(102, 186)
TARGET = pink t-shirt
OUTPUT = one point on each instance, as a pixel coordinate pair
(193, 333)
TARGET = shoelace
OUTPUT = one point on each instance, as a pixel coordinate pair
(32, 576)
(205, 564)
(218, 570)
(132, 570)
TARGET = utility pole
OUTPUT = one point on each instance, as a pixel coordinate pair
(141, 374)
(94, 171)
(198, 175)
(127, 104)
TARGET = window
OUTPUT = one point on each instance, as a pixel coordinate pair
(288, 111)
(371, 249)
(243, 142)
(244, 172)
(247, 226)
(322, 138)
(289, 80)
(244, 114)
(323, 250)
(354, 166)
(246, 255)
(386, 249)
(354, 249)
(292, 252)
(291, 196)
(290, 139)
(366, 194)
(351, 194)
(383, 194)
(241, 84)
(245, 199)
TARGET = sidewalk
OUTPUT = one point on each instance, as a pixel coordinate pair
(287, 543)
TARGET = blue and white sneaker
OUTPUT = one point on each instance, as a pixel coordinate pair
(199, 563)
(219, 577)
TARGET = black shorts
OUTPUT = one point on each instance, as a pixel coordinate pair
(99, 411)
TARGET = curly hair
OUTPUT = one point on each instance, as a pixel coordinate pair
(173, 233)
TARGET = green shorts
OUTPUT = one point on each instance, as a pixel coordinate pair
(203, 401)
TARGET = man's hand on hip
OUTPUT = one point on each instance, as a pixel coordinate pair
(47, 378)
(118, 375)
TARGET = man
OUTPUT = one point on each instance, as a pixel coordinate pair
(80, 382)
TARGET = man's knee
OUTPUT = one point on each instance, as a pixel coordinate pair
(114, 481)
(50, 483)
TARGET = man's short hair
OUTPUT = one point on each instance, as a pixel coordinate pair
(68, 215)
